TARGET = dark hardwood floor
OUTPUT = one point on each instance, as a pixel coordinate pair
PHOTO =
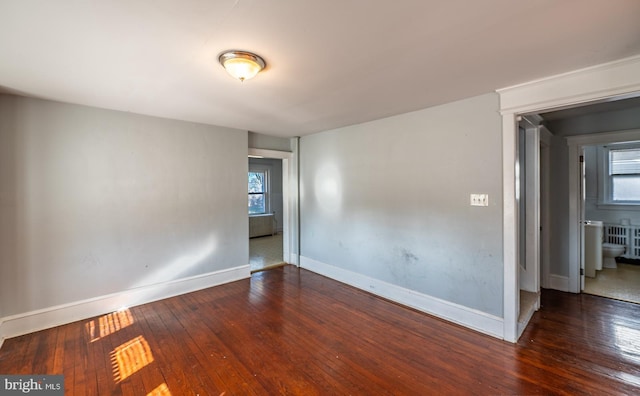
(290, 331)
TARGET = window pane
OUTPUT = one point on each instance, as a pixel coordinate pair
(256, 203)
(625, 162)
(256, 182)
(626, 188)
(257, 192)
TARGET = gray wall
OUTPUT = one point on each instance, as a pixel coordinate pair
(266, 142)
(389, 199)
(617, 120)
(275, 193)
(559, 207)
(95, 202)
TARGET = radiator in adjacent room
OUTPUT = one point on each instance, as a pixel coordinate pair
(261, 225)
(627, 235)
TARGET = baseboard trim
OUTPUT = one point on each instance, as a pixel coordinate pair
(468, 317)
(527, 315)
(558, 282)
(29, 322)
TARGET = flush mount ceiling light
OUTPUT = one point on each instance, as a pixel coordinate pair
(241, 64)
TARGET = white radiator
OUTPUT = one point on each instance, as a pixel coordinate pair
(261, 225)
(627, 235)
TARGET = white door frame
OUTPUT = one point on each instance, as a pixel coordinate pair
(598, 83)
(290, 230)
(529, 273)
(545, 202)
(535, 240)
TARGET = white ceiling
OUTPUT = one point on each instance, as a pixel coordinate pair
(330, 63)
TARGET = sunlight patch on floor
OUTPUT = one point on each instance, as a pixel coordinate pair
(161, 390)
(108, 324)
(130, 357)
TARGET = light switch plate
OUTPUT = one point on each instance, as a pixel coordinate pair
(479, 199)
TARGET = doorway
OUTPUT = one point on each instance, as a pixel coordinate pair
(273, 209)
(600, 83)
(618, 223)
(265, 213)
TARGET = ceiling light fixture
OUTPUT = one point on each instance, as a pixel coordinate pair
(241, 64)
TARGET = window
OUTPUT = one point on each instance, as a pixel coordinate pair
(622, 174)
(258, 199)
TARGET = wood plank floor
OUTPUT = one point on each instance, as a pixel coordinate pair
(290, 331)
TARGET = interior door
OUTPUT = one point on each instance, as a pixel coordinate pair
(530, 208)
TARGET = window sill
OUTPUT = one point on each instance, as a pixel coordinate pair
(619, 206)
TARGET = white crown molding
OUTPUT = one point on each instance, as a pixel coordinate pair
(613, 79)
(29, 322)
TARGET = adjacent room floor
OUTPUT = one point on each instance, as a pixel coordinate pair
(265, 252)
(622, 283)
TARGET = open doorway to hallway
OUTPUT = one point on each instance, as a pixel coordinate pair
(265, 208)
(605, 83)
(600, 161)
(602, 146)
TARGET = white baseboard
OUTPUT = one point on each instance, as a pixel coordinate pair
(29, 322)
(465, 316)
(558, 282)
(527, 315)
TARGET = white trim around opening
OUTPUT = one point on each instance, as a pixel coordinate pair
(289, 200)
(604, 82)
